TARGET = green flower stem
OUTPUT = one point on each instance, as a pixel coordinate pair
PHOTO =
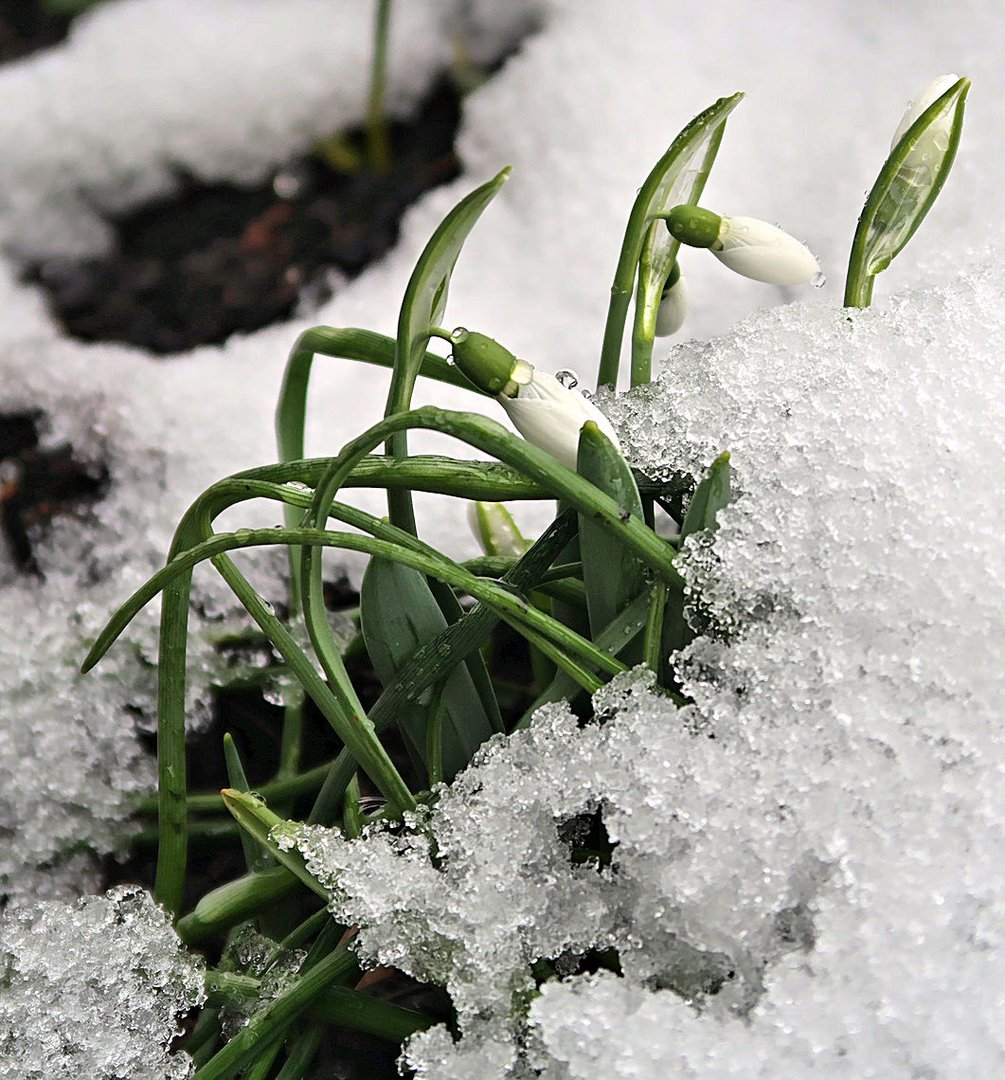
(172, 784)
(659, 192)
(363, 346)
(273, 1020)
(300, 1053)
(378, 142)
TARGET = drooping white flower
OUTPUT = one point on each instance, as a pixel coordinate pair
(932, 92)
(764, 252)
(672, 309)
(551, 416)
(545, 412)
(748, 246)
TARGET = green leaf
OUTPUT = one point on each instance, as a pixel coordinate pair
(613, 578)
(905, 190)
(254, 857)
(421, 309)
(258, 821)
(678, 177)
(398, 615)
(710, 496)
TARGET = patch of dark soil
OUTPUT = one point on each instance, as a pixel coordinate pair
(27, 26)
(36, 484)
(216, 260)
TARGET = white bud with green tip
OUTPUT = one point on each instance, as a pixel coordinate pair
(545, 412)
(673, 304)
(748, 246)
(932, 92)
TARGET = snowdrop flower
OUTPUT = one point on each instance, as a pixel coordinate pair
(544, 411)
(932, 92)
(673, 304)
(748, 246)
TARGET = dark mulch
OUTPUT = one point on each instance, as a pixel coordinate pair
(215, 260)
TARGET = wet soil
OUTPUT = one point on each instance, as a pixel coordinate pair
(216, 260)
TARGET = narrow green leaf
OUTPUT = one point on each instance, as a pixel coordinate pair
(905, 190)
(254, 856)
(258, 821)
(612, 576)
(679, 176)
(710, 496)
(398, 615)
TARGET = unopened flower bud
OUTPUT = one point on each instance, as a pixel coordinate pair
(932, 92)
(746, 245)
(495, 530)
(545, 412)
(673, 304)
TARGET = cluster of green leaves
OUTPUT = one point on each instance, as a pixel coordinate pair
(599, 591)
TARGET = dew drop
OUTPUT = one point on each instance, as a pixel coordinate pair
(460, 334)
(569, 379)
(819, 280)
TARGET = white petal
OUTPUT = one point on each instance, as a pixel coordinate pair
(672, 309)
(764, 252)
(932, 92)
(550, 416)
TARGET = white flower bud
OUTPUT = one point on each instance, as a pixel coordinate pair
(763, 252)
(672, 309)
(932, 92)
(551, 416)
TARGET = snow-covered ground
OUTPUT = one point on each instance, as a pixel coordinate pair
(839, 842)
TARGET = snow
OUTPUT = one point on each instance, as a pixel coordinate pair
(837, 844)
(96, 988)
(806, 876)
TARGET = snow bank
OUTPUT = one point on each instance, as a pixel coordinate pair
(807, 871)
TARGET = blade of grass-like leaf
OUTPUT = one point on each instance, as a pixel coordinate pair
(258, 821)
(710, 496)
(622, 629)
(669, 177)
(254, 857)
(612, 577)
(904, 192)
(398, 615)
(422, 308)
